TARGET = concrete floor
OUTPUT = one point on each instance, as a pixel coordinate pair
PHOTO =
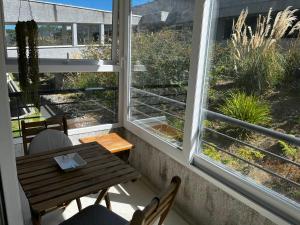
(125, 199)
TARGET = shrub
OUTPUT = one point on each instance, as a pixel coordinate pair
(259, 72)
(246, 108)
(165, 54)
(259, 65)
(222, 64)
(292, 62)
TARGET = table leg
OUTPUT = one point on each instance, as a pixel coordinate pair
(101, 196)
(78, 204)
(107, 201)
(35, 217)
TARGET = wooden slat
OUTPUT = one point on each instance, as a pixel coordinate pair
(50, 176)
(83, 192)
(44, 155)
(47, 186)
(35, 124)
(81, 185)
(66, 186)
(27, 185)
(55, 169)
(50, 162)
(33, 131)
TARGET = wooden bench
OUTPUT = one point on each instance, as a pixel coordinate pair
(111, 142)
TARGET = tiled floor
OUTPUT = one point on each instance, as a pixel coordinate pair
(125, 198)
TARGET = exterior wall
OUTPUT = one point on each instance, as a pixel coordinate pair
(199, 201)
(54, 13)
(55, 52)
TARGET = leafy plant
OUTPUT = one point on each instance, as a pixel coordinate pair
(292, 62)
(288, 150)
(211, 152)
(249, 154)
(247, 108)
(165, 55)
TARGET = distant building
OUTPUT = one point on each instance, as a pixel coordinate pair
(63, 29)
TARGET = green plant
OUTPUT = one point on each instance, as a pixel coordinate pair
(211, 152)
(165, 55)
(292, 61)
(288, 150)
(249, 154)
(259, 71)
(259, 65)
(28, 66)
(247, 108)
(222, 64)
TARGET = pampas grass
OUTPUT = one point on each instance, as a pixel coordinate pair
(259, 64)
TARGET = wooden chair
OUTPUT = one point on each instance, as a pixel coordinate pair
(30, 129)
(158, 209)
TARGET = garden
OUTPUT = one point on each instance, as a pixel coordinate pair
(254, 77)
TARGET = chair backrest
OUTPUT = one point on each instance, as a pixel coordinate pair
(31, 129)
(47, 140)
(159, 207)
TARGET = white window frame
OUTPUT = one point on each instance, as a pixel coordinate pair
(270, 204)
(47, 65)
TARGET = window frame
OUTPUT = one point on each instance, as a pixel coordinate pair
(269, 203)
(56, 65)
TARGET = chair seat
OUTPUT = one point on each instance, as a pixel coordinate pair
(95, 215)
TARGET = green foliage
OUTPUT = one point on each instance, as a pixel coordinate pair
(249, 154)
(211, 152)
(96, 52)
(246, 108)
(222, 64)
(88, 80)
(165, 54)
(292, 60)
(288, 150)
(260, 71)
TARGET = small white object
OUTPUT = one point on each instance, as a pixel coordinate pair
(70, 161)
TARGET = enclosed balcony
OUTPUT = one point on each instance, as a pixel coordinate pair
(204, 90)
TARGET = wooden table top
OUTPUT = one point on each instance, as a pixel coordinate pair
(46, 186)
(112, 142)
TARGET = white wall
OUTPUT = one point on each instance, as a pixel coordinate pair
(7, 155)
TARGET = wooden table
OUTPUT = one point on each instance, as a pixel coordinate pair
(47, 187)
(111, 142)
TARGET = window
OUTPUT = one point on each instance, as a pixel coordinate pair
(87, 99)
(89, 34)
(250, 123)
(54, 34)
(160, 67)
(88, 94)
(48, 35)
(10, 35)
(108, 33)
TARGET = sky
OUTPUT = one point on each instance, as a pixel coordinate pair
(96, 4)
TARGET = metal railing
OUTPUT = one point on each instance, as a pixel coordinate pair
(140, 98)
(17, 104)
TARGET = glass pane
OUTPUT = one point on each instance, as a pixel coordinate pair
(65, 28)
(55, 34)
(87, 99)
(254, 77)
(161, 48)
(88, 34)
